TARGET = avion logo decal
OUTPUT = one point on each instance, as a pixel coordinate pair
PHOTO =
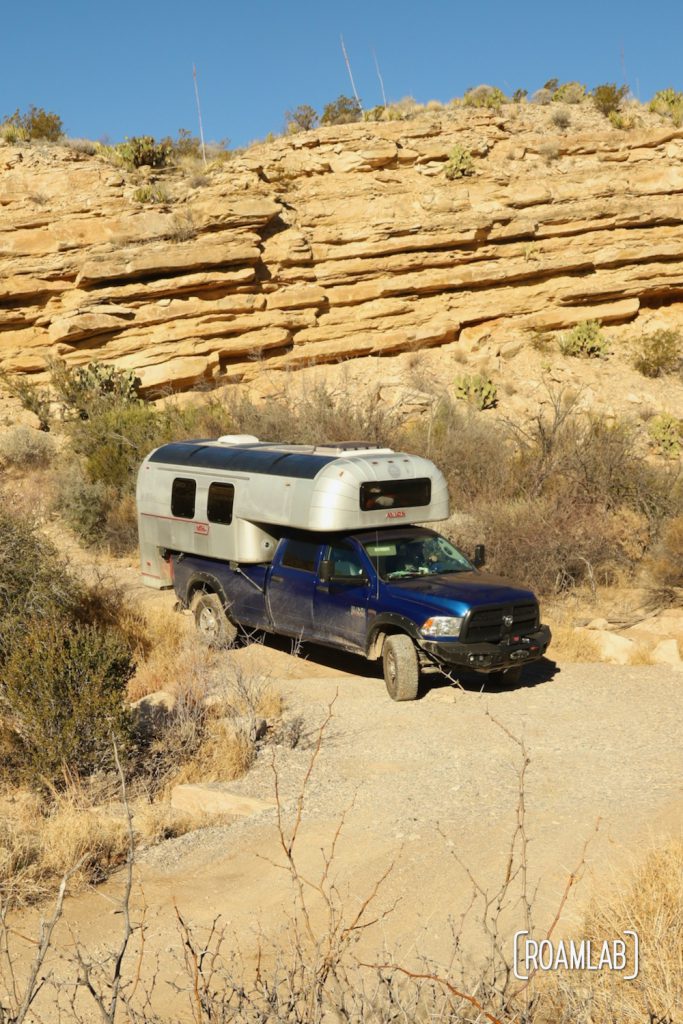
(396, 514)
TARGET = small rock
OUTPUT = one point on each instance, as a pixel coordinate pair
(613, 648)
(667, 653)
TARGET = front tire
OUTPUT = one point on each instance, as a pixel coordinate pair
(213, 625)
(401, 667)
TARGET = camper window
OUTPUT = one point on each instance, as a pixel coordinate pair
(182, 498)
(301, 554)
(220, 501)
(395, 494)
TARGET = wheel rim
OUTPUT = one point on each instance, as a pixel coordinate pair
(208, 623)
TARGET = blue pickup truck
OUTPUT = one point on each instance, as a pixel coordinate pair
(325, 544)
(404, 594)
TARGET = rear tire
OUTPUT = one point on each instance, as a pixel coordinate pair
(401, 667)
(213, 625)
(507, 676)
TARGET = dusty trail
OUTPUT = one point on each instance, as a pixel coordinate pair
(417, 783)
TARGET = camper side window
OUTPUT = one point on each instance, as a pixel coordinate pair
(301, 554)
(219, 504)
(182, 498)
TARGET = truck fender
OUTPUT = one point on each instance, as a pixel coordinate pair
(384, 625)
(205, 581)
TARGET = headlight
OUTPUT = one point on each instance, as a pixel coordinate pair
(442, 626)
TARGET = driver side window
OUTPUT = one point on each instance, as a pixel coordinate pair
(346, 563)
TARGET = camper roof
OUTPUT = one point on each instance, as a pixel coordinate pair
(293, 460)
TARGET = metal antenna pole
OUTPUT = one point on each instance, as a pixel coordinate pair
(199, 112)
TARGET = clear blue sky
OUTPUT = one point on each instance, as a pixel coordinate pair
(125, 68)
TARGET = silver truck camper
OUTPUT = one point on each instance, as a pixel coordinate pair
(231, 498)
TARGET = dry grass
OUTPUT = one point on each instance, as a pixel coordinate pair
(572, 644)
(651, 903)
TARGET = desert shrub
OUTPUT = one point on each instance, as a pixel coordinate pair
(668, 103)
(569, 92)
(185, 145)
(649, 901)
(667, 433)
(586, 340)
(115, 440)
(34, 398)
(344, 110)
(151, 194)
(664, 567)
(25, 448)
(85, 146)
(12, 134)
(36, 123)
(62, 690)
(302, 118)
(623, 122)
(473, 452)
(542, 97)
(519, 95)
(34, 581)
(545, 542)
(608, 98)
(460, 163)
(478, 389)
(658, 353)
(560, 118)
(318, 413)
(83, 504)
(182, 227)
(86, 390)
(550, 152)
(487, 97)
(143, 151)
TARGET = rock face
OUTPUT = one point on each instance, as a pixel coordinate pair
(345, 242)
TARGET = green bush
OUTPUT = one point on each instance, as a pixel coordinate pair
(519, 95)
(569, 92)
(62, 691)
(608, 98)
(86, 390)
(667, 433)
(151, 194)
(668, 103)
(659, 353)
(460, 163)
(479, 390)
(84, 504)
(344, 110)
(302, 119)
(486, 97)
(143, 151)
(36, 123)
(34, 582)
(586, 340)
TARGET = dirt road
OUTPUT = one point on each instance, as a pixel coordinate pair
(417, 783)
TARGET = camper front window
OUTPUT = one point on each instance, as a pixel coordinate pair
(183, 494)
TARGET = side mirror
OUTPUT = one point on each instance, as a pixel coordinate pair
(325, 570)
(479, 556)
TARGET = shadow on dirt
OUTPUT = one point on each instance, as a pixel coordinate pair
(533, 675)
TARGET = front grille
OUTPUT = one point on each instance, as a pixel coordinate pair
(485, 625)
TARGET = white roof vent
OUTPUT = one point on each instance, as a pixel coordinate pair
(238, 439)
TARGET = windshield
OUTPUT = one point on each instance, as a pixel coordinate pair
(427, 555)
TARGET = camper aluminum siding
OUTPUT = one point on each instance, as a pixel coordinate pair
(280, 486)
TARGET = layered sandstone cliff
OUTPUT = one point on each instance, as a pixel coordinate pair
(345, 242)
